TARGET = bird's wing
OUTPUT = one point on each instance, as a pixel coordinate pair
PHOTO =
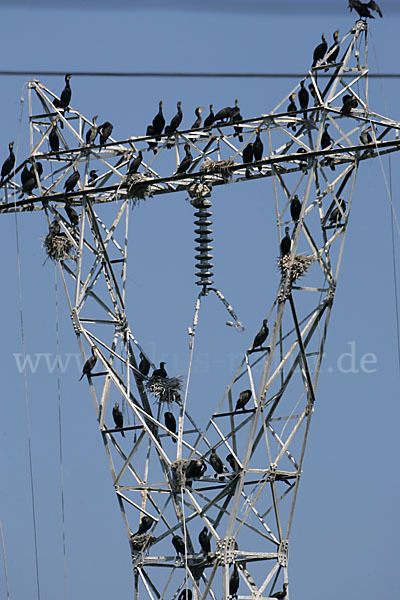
(373, 6)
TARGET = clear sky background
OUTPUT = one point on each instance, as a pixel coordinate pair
(345, 537)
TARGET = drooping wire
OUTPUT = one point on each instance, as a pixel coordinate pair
(5, 561)
(60, 437)
(27, 410)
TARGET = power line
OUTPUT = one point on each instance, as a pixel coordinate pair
(183, 74)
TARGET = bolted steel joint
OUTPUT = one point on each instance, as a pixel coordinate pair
(272, 472)
(283, 553)
(225, 550)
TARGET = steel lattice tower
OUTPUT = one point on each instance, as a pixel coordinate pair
(248, 510)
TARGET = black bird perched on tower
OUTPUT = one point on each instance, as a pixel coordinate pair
(185, 595)
(233, 462)
(295, 208)
(158, 121)
(363, 9)
(54, 140)
(8, 164)
(204, 541)
(29, 185)
(247, 155)
(292, 108)
(236, 117)
(65, 97)
(178, 544)
(365, 137)
(313, 92)
(38, 170)
(224, 114)
(91, 134)
(320, 51)
(199, 119)
(186, 161)
(92, 177)
(333, 51)
(280, 595)
(211, 117)
(144, 365)
(170, 423)
(175, 122)
(261, 336)
(145, 525)
(71, 182)
(336, 215)
(161, 372)
(105, 131)
(326, 141)
(243, 399)
(89, 364)
(72, 214)
(25, 174)
(135, 164)
(196, 468)
(304, 98)
(258, 148)
(216, 463)
(349, 102)
(118, 418)
(286, 243)
(234, 582)
(150, 132)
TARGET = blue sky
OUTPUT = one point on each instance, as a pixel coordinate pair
(346, 523)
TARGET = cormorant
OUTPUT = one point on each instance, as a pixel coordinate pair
(92, 176)
(336, 215)
(38, 170)
(54, 227)
(365, 137)
(363, 9)
(258, 149)
(198, 121)
(232, 462)
(211, 117)
(71, 182)
(176, 119)
(320, 51)
(244, 397)
(170, 423)
(295, 208)
(186, 161)
(29, 185)
(145, 525)
(349, 102)
(161, 372)
(292, 108)
(286, 243)
(91, 134)
(54, 140)
(158, 121)
(25, 174)
(65, 97)
(144, 365)
(8, 164)
(236, 117)
(204, 541)
(280, 595)
(261, 336)
(89, 364)
(135, 164)
(247, 155)
(216, 463)
(178, 544)
(334, 49)
(105, 132)
(224, 114)
(118, 418)
(150, 132)
(326, 141)
(196, 468)
(234, 582)
(185, 595)
(304, 98)
(313, 92)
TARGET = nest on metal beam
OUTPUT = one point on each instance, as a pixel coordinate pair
(218, 167)
(300, 266)
(142, 541)
(58, 246)
(197, 191)
(166, 389)
(138, 189)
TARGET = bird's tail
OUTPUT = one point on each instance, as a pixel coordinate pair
(123, 433)
(81, 376)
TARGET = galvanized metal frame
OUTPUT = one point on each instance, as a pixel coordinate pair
(248, 512)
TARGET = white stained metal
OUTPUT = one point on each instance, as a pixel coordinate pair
(248, 508)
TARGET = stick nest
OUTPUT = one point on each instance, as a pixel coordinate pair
(166, 389)
(58, 246)
(219, 167)
(139, 542)
(300, 266)
(138, 189)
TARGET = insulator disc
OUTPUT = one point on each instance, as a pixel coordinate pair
(205, 274)
(202, 240)
(205, 282)
(203, 222)
(203, 231)
(203, 213)
(202, 256)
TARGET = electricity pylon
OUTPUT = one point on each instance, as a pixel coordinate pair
(246, 508)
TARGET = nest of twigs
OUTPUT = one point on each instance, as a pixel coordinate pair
(58, 246)
(300, 266)
(139, 542)
(218, 167)
(166, 389)
(199, 190)
(138, 189)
